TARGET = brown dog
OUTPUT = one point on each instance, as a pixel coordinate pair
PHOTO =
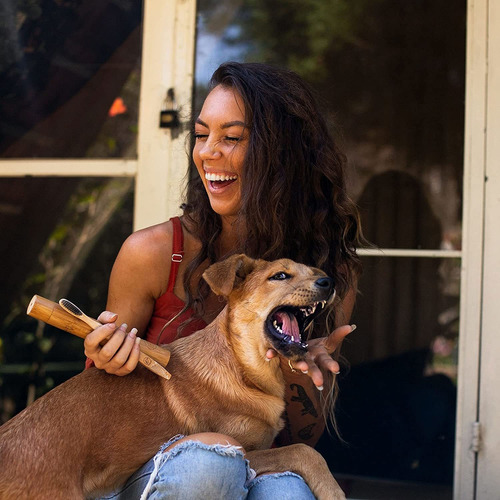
(88, 435)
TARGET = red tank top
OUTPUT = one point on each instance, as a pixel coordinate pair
(162, 328)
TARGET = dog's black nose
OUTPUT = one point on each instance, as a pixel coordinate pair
(325, 283)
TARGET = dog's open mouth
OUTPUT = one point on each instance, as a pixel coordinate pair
(287, 325)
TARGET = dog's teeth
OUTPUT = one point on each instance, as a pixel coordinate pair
(307, 311)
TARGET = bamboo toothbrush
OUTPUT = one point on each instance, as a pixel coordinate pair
(144, 358)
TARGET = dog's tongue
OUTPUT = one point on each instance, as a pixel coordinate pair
(289, 325)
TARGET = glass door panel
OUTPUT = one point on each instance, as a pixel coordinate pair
(397, 403)
(63, 235)
(70, 75)
(390, 76)
(69, 87)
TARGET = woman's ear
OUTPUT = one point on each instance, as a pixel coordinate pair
(223, 277)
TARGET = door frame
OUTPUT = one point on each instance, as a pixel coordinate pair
(169, 28)
(167, 62)
(478, 425)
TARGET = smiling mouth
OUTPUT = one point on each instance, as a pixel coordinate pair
(286, 326)
(218, 181)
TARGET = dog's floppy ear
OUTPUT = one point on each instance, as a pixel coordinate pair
(223, 277)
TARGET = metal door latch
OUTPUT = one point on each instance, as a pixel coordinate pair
(169, 115)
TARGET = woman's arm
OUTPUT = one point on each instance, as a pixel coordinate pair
(304, 421)
(138, 277)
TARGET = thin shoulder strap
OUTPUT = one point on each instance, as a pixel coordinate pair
(177, 252)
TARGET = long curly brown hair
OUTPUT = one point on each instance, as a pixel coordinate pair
(294, 200)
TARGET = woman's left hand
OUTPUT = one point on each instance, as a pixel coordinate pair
(318, 355)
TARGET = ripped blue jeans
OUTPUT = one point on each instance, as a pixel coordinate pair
(193, 470)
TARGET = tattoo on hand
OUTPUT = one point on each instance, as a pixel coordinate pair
(302, 397)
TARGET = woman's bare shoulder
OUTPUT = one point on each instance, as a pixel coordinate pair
(145, 255)
(151, 240)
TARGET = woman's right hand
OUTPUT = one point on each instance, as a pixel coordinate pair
(120, 354)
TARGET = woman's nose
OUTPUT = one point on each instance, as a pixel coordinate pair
(210, 150)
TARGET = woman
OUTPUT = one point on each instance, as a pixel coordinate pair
(270, 184)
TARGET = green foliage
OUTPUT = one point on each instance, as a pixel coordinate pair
(381, 65)
(27, 346)
(300, 33)
(111, 143)
(32, 33)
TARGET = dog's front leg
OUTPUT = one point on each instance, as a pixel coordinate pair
(304, 461)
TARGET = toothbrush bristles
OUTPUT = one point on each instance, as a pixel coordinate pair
(70, 307)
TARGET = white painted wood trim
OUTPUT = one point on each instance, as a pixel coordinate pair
(488, 467)
(68, 167)
(403, 252)
(167, 62)
(472, 247)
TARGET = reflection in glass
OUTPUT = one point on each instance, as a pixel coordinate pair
(69, 78)
(63, 236)
(396, 408)
(396, 213)
(404, 304)
(390, 77)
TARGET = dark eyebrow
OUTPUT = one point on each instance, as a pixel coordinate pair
(201, 122)
(235, 123)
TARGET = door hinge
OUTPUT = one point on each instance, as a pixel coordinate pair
(476, 437)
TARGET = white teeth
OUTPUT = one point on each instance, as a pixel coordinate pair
(219, 177)
(278, 328)
(307, 311)
(310, 309)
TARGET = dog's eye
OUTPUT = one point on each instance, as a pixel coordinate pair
(280, 276)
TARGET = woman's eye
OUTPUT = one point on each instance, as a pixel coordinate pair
(280, 276)
(199, 136)
(233, 139)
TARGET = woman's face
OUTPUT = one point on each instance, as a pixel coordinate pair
(220, 147)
